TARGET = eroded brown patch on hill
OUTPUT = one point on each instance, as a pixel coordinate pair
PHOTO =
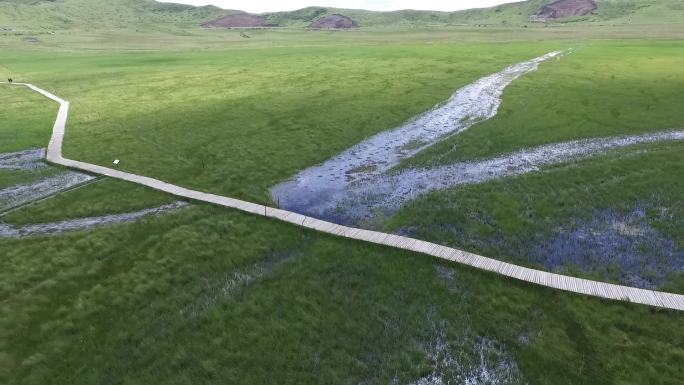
(335, 22)
(241, 20)
(566, 8)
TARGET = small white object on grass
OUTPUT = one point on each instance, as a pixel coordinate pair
(116, 162)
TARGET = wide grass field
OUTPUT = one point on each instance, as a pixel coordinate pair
(207, 295)
(237, 122)
(213, 296)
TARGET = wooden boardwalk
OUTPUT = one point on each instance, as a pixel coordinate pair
(556, 281)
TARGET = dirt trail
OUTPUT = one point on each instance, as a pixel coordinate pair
(471, 104)
(390, 191)
(8, 231)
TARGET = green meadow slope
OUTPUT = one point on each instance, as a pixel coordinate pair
(151, 15)
(100, 14)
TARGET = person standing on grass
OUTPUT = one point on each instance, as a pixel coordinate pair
(9, 80)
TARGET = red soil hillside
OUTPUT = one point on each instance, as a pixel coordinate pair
(566, 8)
(335, 22)
(241, 20)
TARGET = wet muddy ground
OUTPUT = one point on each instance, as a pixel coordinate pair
(23, 160)
(364, 183)
(216, 286)
(18, 195)
(473, 360)
(373, 157)
(8, 231)
(623, 244)
(626, 246)
(31, 162)
(390, 192)
(384, 194)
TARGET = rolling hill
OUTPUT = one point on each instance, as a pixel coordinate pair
(148, 14)
(100, 14)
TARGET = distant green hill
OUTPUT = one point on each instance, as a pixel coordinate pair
(148, 14)
(101, 14)
(616, 11)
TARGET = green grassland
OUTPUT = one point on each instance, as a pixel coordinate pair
(24, 118)
(104, 197)
(208, 295)
(27, 119)
(232, 122)
(24, 115)
(51, 15)
(13, 177)
(126, 40)
(598, 89)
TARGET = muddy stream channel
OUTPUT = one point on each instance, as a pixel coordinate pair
(350, 187)
(45, 182)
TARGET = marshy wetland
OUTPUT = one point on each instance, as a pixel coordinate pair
(574, 167)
